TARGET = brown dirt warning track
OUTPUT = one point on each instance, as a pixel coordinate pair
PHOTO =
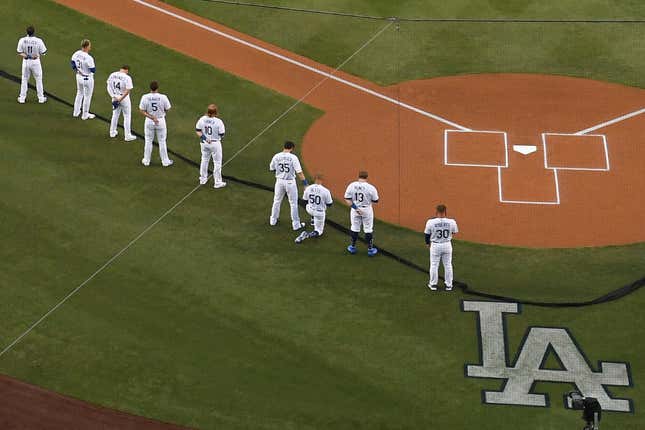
(586, 192)
(27, 407)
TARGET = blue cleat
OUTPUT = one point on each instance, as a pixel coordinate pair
(351, 249)
(371, 252)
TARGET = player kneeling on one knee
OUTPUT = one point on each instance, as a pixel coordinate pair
(286, 166)
(438, 234)
(210, 130)
(361, 195)
(318, 199)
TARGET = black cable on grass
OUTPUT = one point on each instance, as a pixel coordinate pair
(609, 297)
(421, 19)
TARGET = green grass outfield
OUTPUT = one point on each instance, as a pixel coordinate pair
(212, 319)
(416, 50)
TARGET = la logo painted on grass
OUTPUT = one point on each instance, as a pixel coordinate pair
(528, 367)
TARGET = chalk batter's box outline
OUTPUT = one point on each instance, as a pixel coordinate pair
(590, 169)
(445, 148)
(499, 167)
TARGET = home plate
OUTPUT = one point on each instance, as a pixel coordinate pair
(525, 149)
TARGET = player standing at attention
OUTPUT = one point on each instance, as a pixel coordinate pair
(84, 67)
(31, 48)
(439, 233)
(286, 166)
(210, 130)
(119, 86)
(154, 106)
(318, 199)
(361, 195)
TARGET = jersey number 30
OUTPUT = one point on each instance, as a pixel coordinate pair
(443, 234)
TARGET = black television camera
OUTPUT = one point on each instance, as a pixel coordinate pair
(590, 407)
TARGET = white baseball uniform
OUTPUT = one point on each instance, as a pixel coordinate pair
(156, 105)
(33, 47)
(441, 231)
(117, 84)
(362, 194)
(285, 165)
(212, 129)
(83, 64)
(318, 198)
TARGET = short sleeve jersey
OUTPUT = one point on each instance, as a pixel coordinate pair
(285, 165)
(155, 104)
(211, 127)
(118, 82)
(441, 229)
(31, 45)
(84, 62)
(362, 194)
(317, 197)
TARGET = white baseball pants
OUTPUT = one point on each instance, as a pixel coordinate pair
(84, 91)
(364, 219)
(441, 252)
(288, 187)
(125, 108)
(212, 149)
(319, 219)
(158, 130)
(32, 67)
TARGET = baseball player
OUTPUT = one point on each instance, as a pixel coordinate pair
(119, 86)
(318, 199)
(210, 130)
(84, 67)
(439, 232)
(31, 48)
(286, 166)
(154, 106)
(361, 195)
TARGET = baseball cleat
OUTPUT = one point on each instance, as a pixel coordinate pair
(432, 287)
(113, 134)
(169, 163)
(448, 287)
(130, 138)
(219, 185)
(351, 249)
(43, 100)
(88, 116)
(145, 163)
(203, 181)
(76, 115)
(302, 236)
(371, 252)
(273, 222)
(21, 101)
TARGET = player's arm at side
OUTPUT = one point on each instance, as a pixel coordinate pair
(454, 229)
(221, 130)
(428, 233)
(166, 104)
(298, 168)
(272, 165)
(19, 50)
(328, 200)
(375, 197)
(350, 199)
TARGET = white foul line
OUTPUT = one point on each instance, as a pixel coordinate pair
(303, 65)
(184, 198)
(611, 122)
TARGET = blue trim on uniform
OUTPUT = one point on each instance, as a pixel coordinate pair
(375, 201)
(354, 206)
(198, 129)
(329, 204)
(427, 239)
(73, 63)
(44, 52)
(93, 69)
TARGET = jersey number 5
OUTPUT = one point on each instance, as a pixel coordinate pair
(154, 106)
